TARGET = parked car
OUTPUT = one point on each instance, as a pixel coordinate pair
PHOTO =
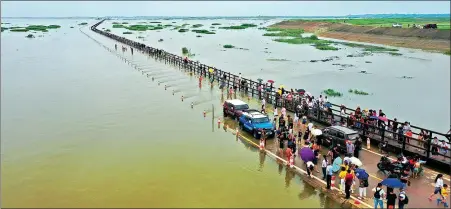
(234, 108)
(430, 26)
(255, 122)
(338, 135)
(397, 25)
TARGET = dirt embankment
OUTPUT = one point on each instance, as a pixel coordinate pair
(427, 39)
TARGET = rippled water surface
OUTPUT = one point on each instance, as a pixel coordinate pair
(81, 128)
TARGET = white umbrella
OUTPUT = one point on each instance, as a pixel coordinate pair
(310, 125)
(356, 161)
(308, 94)
(316, 132)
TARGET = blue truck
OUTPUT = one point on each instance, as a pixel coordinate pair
(254, 122)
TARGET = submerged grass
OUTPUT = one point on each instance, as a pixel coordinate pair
(187, 52)
(355, 91)
(83, 23)
(203, 31)
(29, 36)
(325, 47)
(285, 32)
(394, 54)
(127, 32)
(370, 48)
(239, 27)
(197, 25)
(277, 60)
(183, 30)
(447, 52)
(216, 23)
(332, 93)
(41, 28)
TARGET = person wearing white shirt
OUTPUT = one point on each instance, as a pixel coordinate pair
(309, 166)
(438, 185)
(324, 166)
(378, 196)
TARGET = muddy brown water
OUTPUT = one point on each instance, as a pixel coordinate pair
(81, 128)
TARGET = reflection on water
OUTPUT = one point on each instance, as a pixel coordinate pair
(81, 128)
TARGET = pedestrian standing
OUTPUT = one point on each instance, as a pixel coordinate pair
(350, 148)
(329, 172)
(378, 196)
(391, 198)
(403, 199)
(363, 184)
(349, 179)
(324, 164)
(357, 147)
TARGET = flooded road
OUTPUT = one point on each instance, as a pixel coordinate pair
(384, 82)
(81, 128)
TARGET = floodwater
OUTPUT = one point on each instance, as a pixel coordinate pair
(423, 100)
(81, 128)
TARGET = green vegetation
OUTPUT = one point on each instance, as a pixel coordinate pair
(202, 31)
(355, 91)
(197, 26)
(183, 30)
(442, 23)
(18, 30)
(3, 29)
(138, 27)
(275, 60)
(369, 48)
(239, 27)
(325, 46)
(186, 24)
(116, 23)
(167, 25)
(118, 26)
(127, 32)
(394, 54)
(53, 26)
(448, 52)
(124, 23)
(41, 28)
(303, 40)
(187, 52)
(108, 30)
(198, 36)
(228, 46)
(216, 23)
(284, 32)
(154, 22)
(29, 36)
(71, 26)
(83, 23)
(140, 37)
(332, 93)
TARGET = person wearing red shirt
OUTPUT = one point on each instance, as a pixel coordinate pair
(348, 183)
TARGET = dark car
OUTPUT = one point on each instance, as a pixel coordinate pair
(338, 135)
(234, 108)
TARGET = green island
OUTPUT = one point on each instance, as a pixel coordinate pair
(442, 23)
(138, 27)
(197, 25)
(355, 91)
(332, 93)
(239, 27)
(369, 48)
(201, 31)
(228, 46)
(41, 28)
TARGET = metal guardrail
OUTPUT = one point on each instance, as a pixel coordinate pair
(399, 143)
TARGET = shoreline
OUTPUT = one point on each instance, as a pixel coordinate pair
(432, 41)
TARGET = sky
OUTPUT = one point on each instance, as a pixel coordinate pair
(217, 8)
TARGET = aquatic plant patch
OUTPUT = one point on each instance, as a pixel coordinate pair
(203, 31)
(277, 60)
(187, 52)
(116, 23)
(332, 93)
(216, 23)
(154, 22)
(124, 23)
(4, 28)
(394, 54)
(325, 46)
(197, 25)
(286, 33)
(447, 52)
(83, 23)
(183, 30)
(355, 91)
(29, 36)
(228, 46)
(238, 27)
(369, 48)
(127, 32)
(18, 30)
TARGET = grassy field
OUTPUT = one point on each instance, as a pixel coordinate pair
(442, 23)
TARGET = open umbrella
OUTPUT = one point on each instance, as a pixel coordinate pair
(281, 87)
(210, 70)
(392, 183)
(306, 154)
(259, 80)
(328, 105)
(361, 174)
(316, 132)
(383, 118)
(310, 125)
(337, 163)
(270, 81)
(374, 117)
(356, 161)
(308, 94)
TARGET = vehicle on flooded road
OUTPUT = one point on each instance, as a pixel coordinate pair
(234, 108)
(338, 135)
(255, 122)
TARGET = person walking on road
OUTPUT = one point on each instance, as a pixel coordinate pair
(438, 185)
(378, 196)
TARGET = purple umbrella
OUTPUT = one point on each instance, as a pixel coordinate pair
(306, 154)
